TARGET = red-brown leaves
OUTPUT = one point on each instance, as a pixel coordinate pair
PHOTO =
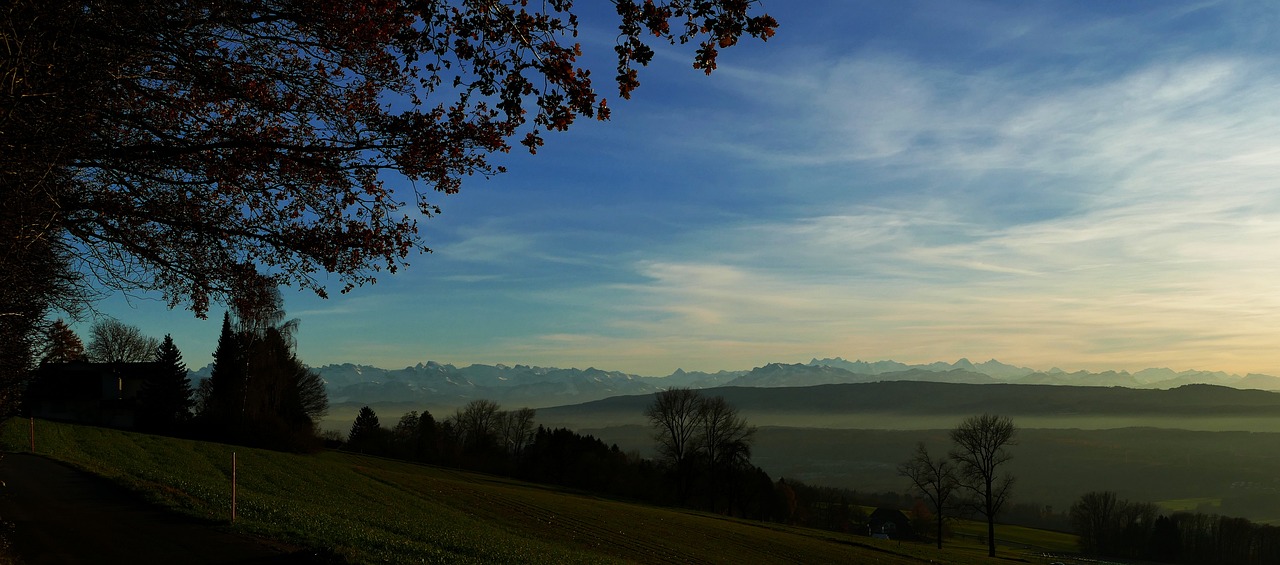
(232, 139)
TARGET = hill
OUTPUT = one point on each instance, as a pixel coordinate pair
(364, 509)
(854, 403)
(442, 387)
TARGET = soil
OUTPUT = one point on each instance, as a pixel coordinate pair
(52, 513)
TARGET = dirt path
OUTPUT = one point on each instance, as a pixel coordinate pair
(52, 513)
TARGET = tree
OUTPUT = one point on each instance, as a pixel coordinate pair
(404, 436)
(279, 398)
(113, 341)
(476, 424)
(224, 402)
(675, 416)
(980, 451)
(62, 345)
(366, 432)
(428, 436)
(725, 440)
(1093, 517)
(191, 147)
(165, 401)
(934, 478)
(516, 429)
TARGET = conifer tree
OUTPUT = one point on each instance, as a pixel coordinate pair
(224, 406)
(366, 432)
(165, 400)
(62, 345)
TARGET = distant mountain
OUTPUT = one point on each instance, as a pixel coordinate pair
(1157, 378)
(442, 385)
(862, 367)
(434, 384)
(698, 379)
(780, 374)
(991, 368)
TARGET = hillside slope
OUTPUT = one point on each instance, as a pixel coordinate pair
(933, 399)
(373, 510)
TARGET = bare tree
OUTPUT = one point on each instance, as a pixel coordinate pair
(113, 341)
(676, 419)
(516, 429)
(934, 478)
(1092, 516)
(980, 450)
(477, 422)
(725, 440)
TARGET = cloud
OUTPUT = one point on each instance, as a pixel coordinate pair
(1126, 216)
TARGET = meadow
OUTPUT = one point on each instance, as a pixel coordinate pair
(1218, 472)
(367, 510)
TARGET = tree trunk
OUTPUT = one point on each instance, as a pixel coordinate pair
(939, 528)
(991, 526)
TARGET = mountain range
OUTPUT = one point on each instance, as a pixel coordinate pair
(442, 385)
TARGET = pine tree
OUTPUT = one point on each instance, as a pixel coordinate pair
(224, 407)
(165, 400)
(366, 433)
(62, 345)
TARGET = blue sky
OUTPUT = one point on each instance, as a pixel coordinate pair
(1088, 185)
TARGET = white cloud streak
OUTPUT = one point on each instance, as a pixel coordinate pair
(1158, 246)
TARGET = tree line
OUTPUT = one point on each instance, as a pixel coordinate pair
(259, 392)
(710, 470)
(1109, 526)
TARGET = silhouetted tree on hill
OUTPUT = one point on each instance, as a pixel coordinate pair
(259, 392)
(675, 417)
(113, 341)
(367, 434)
(476, 424)
(404, 436)
(981, 444)
(726, 445)
(165, 401)
(223, 393)
(935, 479)
(62, 345)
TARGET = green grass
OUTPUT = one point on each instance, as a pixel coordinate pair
(374, 510)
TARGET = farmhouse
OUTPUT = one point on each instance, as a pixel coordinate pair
(103, 394)
(888, 523)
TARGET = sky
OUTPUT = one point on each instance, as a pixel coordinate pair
(1083, 185)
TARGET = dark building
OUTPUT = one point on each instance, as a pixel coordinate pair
(888, 523)
(102, 394)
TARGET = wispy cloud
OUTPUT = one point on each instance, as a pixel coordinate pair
(1148, 230)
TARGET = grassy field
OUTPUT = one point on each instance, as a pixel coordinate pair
(373, 510)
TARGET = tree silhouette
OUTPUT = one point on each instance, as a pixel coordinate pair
(934, 478)
(191, 147)
(259, 392)
(477, 423)
(726, 442)
(62, 345)
(113, 341)
(367, 434)
(980, 450)
(165, 401)
(675, 416)
(223, 403)
(516, 430)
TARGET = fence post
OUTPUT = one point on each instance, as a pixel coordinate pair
(233, 487)
(32, 433)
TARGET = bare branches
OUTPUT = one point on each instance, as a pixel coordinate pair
(980, 451)
(936, 479)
